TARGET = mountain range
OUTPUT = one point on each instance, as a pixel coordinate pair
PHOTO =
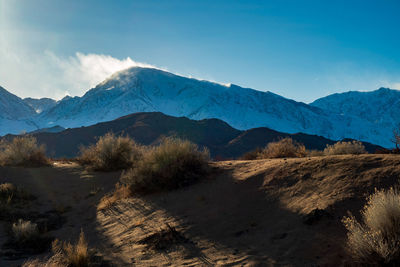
(148, 128)
(366, 116)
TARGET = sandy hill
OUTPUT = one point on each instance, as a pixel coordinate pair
(249, 213)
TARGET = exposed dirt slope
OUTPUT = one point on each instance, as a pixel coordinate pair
(253, 213)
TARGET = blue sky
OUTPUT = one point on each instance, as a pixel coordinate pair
(299, 49)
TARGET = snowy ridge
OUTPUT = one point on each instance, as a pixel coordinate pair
(15, 115)
(40, 105)
(145, 90)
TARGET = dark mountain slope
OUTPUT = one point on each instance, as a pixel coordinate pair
(223, 141)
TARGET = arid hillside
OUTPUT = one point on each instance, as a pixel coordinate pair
(251, 213)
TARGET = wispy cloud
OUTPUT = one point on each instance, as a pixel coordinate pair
(47, 74)
(84, 71)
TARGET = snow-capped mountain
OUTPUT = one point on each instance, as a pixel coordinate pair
(15, 115)
(380, 107)
(145, 89)
(41, 104)
(364, 116)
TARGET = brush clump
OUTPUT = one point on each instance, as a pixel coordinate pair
(173, 164)
(23, 151)
(284, 148)
(345, 148)
(376, 239)
(111, 153)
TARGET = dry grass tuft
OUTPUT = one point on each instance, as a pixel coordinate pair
(9, 193)
(111, 153)
(344, 148)
(251, 155)
(22, 151)
(120, 192)
(65, 255)
(173, 164)
(73, 255)
(284, 148)
(376, 240)
(25, 231)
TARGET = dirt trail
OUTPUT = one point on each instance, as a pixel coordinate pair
(249, 213)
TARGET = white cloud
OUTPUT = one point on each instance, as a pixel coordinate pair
(49, 75)
(391, 85)
(395, 86)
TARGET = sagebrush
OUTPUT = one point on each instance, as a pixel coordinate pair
(25, 231)
(23, 151)
(284, 148)
(75, 255)
(251, 155)
(65, 254)
(173, 164)
(376, 239)
(111, 153)
(344, 148)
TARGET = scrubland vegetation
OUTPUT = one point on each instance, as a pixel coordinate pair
(25, 231)
(22, 151)
(375, 240)
(284, 148)
(344, 148)
(111, 153)
(288, 148)
(65, 254)
(173, 164)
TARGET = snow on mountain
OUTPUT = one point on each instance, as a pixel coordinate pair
(145, 89)
(40, 105)
(368, 116)
(380, 107)
(15, 115)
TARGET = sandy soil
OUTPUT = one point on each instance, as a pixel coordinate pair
(248, 213)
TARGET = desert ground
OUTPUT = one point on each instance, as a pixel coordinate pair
(272, 212)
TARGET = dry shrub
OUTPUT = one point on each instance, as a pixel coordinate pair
(343, 148)
(10, 193)
(251, 155)
(315, 153)
(22, 151)
(120, 192)
(73, 255)
(111, 153)
(376, 240)
(7, 192)
(13, 201)
(65, 255)
(173, 164)
(284, 148)
(25, 231)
